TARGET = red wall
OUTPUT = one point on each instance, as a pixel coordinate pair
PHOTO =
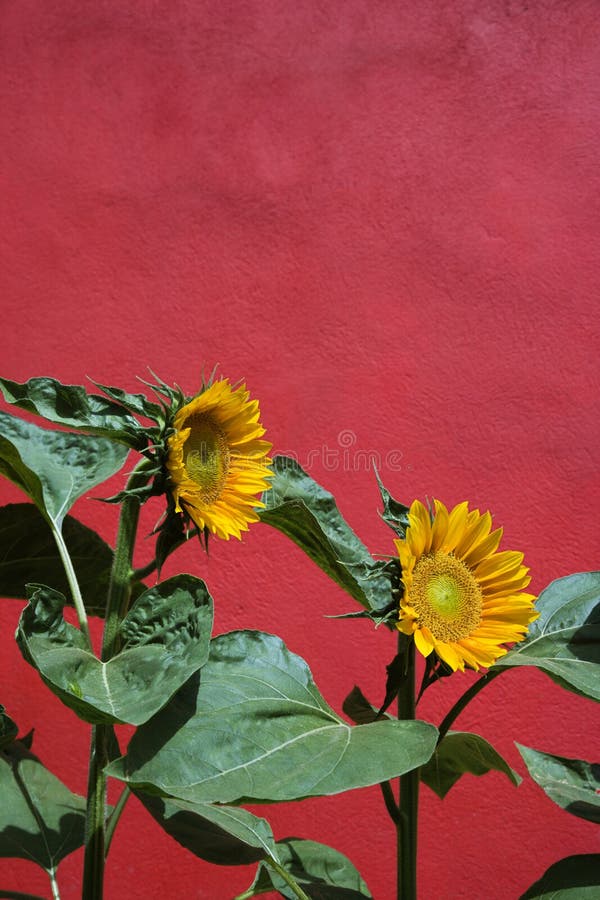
(384, 216)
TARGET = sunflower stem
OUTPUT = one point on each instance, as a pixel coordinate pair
(117, 602)
(462, 701)
(119, 590)
(406, 828)
(93, 864)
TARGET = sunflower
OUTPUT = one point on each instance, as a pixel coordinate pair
(462, 599)
(216, 459)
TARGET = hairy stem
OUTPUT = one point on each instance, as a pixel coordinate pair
(119, 590)
(93, 863)
(119, 593)
(406, 829)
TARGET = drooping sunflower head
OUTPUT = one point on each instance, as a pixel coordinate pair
(216, 460)
(462, 598)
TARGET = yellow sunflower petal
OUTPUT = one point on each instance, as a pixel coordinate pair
(423, 641)
(456, 525)
(448, 654)
(217, 462)
(439, 529)
(462, 598)
(483, 548)
(419, 529)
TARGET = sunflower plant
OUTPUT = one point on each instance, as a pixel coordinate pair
(223, 720)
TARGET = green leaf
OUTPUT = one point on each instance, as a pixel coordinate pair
(572, 878)
(322, 872)
(458, 753)
(395, 514)
(28, 553)
(71, 405)
(256, 727)
(565, 640)
(40, 819)
(222, 835)
(357, 707)
(572, 783)
(305, 512)
(8, 729)
(165, 639)
(55, 468)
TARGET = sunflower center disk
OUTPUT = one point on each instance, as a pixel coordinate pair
(446, 596)
(206, 456)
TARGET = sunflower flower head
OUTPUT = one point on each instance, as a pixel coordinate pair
(217, 461)
(462, 598)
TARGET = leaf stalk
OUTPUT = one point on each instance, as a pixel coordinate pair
(283, 873)
(465, 699)
(73, 583)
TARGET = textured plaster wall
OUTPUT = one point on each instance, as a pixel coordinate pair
(384, 215)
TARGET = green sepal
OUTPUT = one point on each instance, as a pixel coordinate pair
(55, 468)
(564, 641)
(397, 672)
(172, 393)
(40, 819)
(8, 729)
(203, 745)
(322, 872)
(173, 531)
(571, 783)
(377, 620)
(71, 405)
(28, 553)
(221, 835)
(138, 404)
(164, 637)
(395, 514)
(301, 509)
(459, 753)
(572, 878)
